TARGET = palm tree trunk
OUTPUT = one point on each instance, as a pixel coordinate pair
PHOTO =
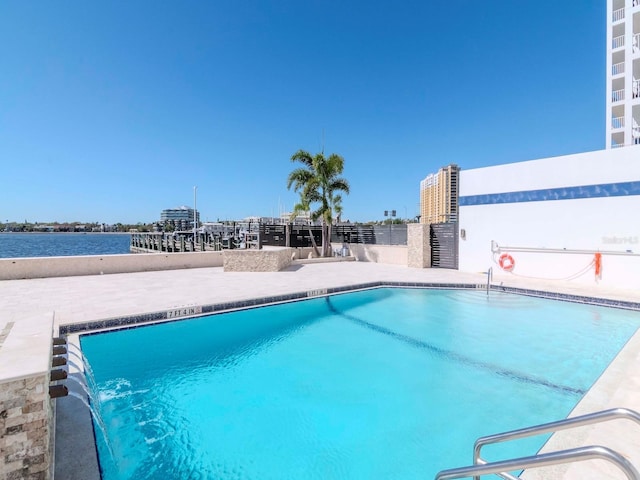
(313, 241)
(326, 245)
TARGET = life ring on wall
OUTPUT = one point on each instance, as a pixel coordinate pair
(506, 262)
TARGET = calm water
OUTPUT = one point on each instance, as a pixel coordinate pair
(13, 245)
(382, 384)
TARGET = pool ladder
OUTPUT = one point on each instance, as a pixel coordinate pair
(481, 467)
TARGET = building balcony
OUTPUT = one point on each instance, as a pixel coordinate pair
(617, 122)
(617, 68)
(635, 43)
(635, 87)
(617, 95)
(618, 42)
(618, 15)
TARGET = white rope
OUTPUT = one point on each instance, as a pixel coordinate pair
(573, 276)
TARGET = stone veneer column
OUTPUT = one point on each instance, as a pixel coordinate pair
(26, 411)
(26, 426)
(267, 259)
(418, 245)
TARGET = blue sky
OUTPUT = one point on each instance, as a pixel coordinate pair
(113, 111)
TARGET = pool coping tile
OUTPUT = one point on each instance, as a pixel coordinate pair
(133, 321)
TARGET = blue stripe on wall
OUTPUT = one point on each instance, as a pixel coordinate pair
(562, 193)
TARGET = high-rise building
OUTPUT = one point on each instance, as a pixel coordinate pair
(181, 217)
(439, 196)
(623, 73)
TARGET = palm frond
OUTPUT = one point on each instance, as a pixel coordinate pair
(299, 178)
(339, 185)
(303, 157)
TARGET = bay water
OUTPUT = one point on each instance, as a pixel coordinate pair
(21, 245)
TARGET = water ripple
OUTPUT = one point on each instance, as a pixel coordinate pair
(453, 356)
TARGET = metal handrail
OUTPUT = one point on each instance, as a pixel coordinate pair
(544, 460)
(567, 423)
(495, 248)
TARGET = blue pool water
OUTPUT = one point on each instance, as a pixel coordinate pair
(379, 384)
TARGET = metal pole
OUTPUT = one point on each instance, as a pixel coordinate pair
(195, 213)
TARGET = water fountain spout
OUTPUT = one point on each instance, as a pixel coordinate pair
(58, 361)
(59, 349)
(57, 391)
(58, 374)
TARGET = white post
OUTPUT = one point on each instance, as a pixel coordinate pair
(195, 214)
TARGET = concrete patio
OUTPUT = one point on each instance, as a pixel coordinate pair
(82, 299)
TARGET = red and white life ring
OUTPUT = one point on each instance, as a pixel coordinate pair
(506, 262)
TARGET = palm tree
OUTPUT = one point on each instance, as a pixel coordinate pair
(319, 182)
(336, 206)
(303, 206)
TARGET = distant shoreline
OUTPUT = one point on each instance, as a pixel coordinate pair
(69, 233)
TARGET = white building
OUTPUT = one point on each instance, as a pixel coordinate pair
(181, 217)
(571, 218)
(301, 218)
(623, 73)
(551, 216)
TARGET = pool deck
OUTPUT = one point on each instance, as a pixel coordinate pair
(89, 298)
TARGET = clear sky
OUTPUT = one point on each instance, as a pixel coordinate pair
(113, 111)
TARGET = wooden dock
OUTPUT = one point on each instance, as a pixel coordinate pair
(185, 242)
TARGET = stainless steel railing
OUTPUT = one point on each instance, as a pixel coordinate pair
(543, 460)
(481, 467)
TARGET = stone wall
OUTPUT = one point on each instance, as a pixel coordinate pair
(26, 422)
(26, 411)
(418, 245)
(271, 259)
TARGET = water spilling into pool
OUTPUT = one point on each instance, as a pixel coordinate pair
(385, 383)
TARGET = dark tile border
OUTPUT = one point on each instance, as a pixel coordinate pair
(134, 321)
(568, 297)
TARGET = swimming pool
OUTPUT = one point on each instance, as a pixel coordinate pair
(382, 383)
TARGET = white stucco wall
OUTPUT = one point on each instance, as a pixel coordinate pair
(42, 267)
(388, 254)
(606, 223)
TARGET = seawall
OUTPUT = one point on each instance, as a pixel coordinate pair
(44, 267)
(71, 266)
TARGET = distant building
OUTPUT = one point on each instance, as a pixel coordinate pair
(439, 196)
(181, 218)
(301, 218)
(44, 228)
(216, 228)
(623, 73)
